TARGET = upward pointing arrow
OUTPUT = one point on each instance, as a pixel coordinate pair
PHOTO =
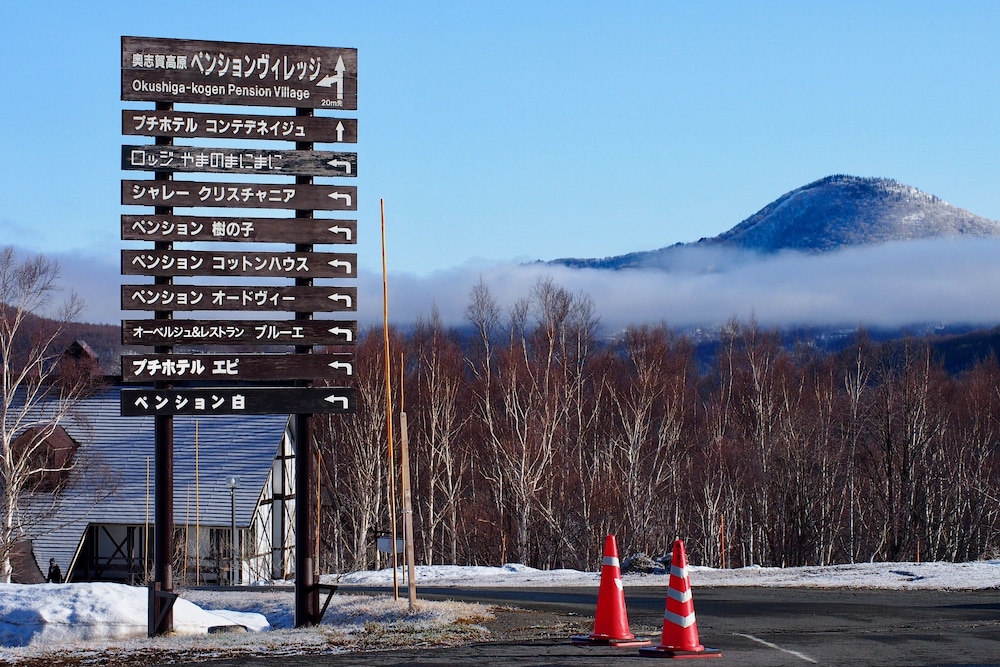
(338, 78)
(340, 131)
(340, 69)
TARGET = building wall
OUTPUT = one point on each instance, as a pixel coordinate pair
(203, 552)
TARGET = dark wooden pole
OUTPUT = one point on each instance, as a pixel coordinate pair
(307, 609)
(161, 614)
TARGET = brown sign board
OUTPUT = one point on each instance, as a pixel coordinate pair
(246, 298)
(193, 124)
(239, 332)
(236, 367)
(239, 161)
(238, 401)
(240, 195)
(238, 229)
(236, 263)
(244, 74)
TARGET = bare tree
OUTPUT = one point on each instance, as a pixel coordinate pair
(650, 403)
(35, 399)
(969, 471)
(526, 394)
(857, 378)
(437, 422)
(544, 440)
(909, 421)
(750, 361)
(354, 453)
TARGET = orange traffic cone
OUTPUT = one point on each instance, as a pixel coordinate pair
(680, 632)
(611, 621)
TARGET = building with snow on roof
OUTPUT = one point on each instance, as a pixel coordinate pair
(96, 521)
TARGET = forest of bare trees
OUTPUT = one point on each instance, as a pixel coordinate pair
(531, 439)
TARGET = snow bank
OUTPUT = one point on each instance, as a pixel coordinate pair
(944, 576)
(59, 613)
(45, 615)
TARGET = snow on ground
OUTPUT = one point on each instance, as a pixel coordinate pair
(47, 618)
(956, 576)
(47, 614)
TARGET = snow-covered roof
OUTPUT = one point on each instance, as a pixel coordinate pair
(118, 452)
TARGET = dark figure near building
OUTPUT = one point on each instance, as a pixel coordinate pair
(55, 574)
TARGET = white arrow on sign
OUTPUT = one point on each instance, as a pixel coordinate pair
(338, 78)
(341, 163)
(345, 366)
(340, 263)
(340, 131)
(346, 231)
(346, 333)
(346, 298)
(341, 195)
(338, 399)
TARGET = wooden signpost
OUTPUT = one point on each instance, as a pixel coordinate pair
(196, 124)
(272, 75)
(236, 401)
(240, 195)
(306, 78)
(239, 298)
(238, 332)
(229, 367)
(225, 160)
(235, 263)
(237, 229)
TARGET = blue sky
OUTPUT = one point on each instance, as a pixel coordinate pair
(508, 131)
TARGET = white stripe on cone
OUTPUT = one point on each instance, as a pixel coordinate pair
(678, 620)
(680, 596)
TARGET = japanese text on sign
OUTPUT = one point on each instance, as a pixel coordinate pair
(265, 264)
(239, 332)
(239, 195)
(262, 67)
(142, 368)
(172, 70)
(271, 230)
(201, 159)
(198, 297)
(232, 126)
(218, 401)
(222, 160)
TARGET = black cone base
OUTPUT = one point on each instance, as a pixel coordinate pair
(657, 652)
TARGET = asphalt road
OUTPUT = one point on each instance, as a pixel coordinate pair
(751, 626)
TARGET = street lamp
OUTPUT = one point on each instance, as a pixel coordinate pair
(233, 483)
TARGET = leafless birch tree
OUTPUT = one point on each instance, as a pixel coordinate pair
(437, 416)
(354, 451)
(35, 398)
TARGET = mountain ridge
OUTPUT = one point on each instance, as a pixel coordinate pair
(826, 215)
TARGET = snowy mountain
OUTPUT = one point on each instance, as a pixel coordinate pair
(830, 214)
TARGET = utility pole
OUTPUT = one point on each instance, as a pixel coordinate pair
(235, 564)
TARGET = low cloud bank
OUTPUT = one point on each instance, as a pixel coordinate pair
(948, 281)
(951, 281)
